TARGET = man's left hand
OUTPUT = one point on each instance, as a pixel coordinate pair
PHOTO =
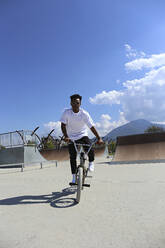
(100, 141)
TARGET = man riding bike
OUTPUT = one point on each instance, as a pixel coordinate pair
(74, 123)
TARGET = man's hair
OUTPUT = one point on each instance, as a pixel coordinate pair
(75, 96)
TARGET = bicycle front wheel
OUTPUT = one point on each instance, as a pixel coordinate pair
(79, 183)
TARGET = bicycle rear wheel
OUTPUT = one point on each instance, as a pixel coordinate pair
(79, 183)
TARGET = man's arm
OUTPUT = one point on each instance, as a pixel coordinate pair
(63, 129)
(94, 131)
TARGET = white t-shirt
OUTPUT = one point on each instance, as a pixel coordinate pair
(76, 123)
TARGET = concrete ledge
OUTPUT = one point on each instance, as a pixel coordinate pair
(141, 138)
(27, 166)
(138, 162)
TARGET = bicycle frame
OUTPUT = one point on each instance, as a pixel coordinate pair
(82, 154)
(81, 170)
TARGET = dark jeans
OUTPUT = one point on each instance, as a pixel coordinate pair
(73, 154)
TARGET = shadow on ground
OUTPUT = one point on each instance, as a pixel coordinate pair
(56, 199)
(104, 163)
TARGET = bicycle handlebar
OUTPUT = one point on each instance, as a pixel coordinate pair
(81, 144)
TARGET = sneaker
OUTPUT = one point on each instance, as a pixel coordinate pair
(73, 178)
(91, 166)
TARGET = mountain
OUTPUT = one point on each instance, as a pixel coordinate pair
(133, 127)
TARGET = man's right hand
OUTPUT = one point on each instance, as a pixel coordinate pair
(66, 139)
(100, 141)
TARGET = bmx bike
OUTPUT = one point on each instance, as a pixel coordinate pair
(82, 171)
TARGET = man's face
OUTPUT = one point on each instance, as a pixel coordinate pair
(75, 103)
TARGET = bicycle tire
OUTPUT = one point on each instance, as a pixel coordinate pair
(79, 183)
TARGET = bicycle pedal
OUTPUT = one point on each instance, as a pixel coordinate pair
(86, 185)
(89, 176)
(72, 184)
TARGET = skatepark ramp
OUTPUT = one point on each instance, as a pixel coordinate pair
(62, 154)
(140, 148)
(19, 149)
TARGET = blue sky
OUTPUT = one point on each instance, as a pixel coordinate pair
(110, 52)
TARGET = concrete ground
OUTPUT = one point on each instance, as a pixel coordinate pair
(123, 208)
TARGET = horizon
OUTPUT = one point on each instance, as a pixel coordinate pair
(90, 136)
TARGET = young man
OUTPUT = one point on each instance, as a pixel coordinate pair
(74, 123)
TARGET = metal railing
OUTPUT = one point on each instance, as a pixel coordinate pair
(18, 138)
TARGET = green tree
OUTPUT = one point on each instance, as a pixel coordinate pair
(47, 143)
(2, 147)
(112, 147)
(30, 142)
(154, 129)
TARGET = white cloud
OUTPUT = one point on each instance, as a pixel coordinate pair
(104, 97)
(159, 123)
(53, 125)
(143, 97)
(130, 52)
(154, 77)
(105, 125)
(153, 61)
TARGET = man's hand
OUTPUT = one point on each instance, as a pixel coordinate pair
(100, 141)
(66, 139)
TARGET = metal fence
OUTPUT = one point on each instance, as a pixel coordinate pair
(18, 138)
